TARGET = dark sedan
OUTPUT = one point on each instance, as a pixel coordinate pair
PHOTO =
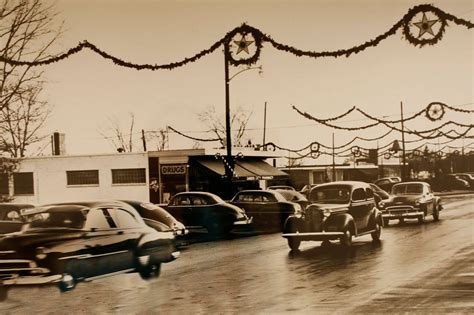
(160, 219)
(205, 210)
(268, 208)
(67, 243)
(11, 219)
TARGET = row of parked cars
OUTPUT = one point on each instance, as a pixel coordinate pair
(66, 243)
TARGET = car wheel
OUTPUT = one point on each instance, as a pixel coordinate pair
(294, 243)
(346, 238)
(436, 213)
(326, 243)
(67, 283)
(3, 294)
(218, 229)
(150, 271)
(401, 221)
(376, 234)
(386, 221)
(421, 219)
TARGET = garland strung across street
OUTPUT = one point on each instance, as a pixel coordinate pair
(427, 19)
(193, 138)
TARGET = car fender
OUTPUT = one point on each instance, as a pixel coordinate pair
(291, 222)
(341, 222)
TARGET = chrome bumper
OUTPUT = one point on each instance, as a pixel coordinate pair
(31, 280)
(243, 222)
(402, 212)
(314, 236)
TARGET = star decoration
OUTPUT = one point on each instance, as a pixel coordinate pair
(425, 25)
(243, 45)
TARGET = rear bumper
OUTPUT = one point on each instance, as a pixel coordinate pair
(314, 236)
(31, 280)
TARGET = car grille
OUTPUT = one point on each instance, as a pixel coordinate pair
(315, 219)
(19, 267)
(400, 209)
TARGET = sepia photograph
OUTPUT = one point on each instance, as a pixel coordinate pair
(240, 156)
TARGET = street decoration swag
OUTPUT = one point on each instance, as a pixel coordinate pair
(428, 20)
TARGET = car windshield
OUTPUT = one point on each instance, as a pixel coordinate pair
(330, 194)
(407, 189)
(73, 220)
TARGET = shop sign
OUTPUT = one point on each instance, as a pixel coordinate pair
(175, 169)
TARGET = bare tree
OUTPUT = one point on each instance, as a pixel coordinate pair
(27, 31)
(238, 120)
(7, 167)
(123, 141)
(160, 138)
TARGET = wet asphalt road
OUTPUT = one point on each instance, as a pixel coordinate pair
(416, 268)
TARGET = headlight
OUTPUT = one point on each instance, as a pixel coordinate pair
(326, 213)
(381, 204)
(298, 210)
(41, 252)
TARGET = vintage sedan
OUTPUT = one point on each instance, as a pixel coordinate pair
(411, 200)
(160, 219)
(64, 244)
(197, 209)
(386, 183)
(268, 208)
(11, 219)
(338, 210)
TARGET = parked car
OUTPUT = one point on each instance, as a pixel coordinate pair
(202, 209)
(411, 200)
(280, 187)
(469, 178)
(268, 208)
(453, 182)
(67, 243)
(160, 219)
(294, 196)
(11, 219)
(386, 183)
(338, 210)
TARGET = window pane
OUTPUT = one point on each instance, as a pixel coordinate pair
(96, 220)
(124, 219)
(129, 176)
(358, 194)
(3, 184)
(23, 183)
(89, 177)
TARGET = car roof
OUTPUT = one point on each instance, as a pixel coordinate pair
(196, 193)
(15, 205)
(344, 182)
(411, 182)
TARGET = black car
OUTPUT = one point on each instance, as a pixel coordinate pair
(11, 219)
(411, 200)
(268, 208)
(337, 210)
(160, 219)
(205, 210)
(67, 243)
(386, 183)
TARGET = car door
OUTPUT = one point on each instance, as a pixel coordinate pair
(360, 209)
(179, 208)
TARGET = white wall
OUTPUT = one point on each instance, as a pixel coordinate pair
(50, 181)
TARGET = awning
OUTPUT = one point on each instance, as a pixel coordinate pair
(251, 170)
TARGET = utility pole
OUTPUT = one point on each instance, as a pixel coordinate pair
(264, 122)
(333, 160)
(403, 144)
(144, 140)
(230, 162)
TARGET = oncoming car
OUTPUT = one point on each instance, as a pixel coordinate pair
(64, 244)
(411, 200)
(337, 211)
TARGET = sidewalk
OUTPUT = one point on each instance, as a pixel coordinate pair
(454, 192)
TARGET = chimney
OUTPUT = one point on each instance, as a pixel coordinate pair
(58, 143)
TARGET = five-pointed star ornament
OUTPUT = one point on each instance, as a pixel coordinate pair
(243, 44)
(425, 25)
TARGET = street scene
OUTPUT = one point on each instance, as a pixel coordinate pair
(265, 156)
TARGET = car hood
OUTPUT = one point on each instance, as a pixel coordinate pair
(404, 198)
(334, 207)
(27, 239)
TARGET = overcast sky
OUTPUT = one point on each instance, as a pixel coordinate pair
(87, 89)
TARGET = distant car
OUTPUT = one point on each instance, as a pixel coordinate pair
(268, 208)
(411, 200)
(386, 183)
(338, 210)
(11, 219)
(294, 196)
(469, 177)
(71, 242)
(453, 182)
(160, 219)
(280, 187)
(205, 210)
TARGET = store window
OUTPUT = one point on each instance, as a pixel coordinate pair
(4, 184)
(85, 177)
(129, 176)
(23, 183)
